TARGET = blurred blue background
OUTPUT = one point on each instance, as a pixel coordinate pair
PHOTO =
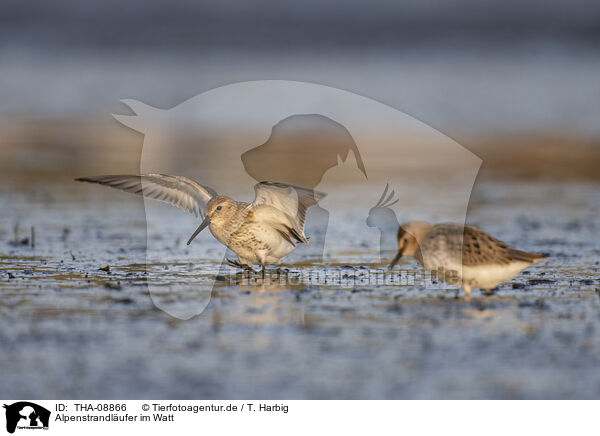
(461, 66)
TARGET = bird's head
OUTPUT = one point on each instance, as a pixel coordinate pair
(409, 235)
(220, 208)
(219, 211)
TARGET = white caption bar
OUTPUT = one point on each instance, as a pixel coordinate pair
(300, 417)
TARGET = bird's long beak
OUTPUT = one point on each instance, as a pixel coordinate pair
(201, 227)
(397, 258)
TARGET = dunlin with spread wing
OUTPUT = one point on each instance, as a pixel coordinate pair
(262, 232)
(462, 255)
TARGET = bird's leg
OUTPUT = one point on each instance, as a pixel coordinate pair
(263, 272)
(234, 263)
(237, 264)
(467, 293)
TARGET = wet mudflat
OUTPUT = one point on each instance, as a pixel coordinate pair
(339, 328)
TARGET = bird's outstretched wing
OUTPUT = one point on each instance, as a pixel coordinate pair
(178, 191)
(284, 206)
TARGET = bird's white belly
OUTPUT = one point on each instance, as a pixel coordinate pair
(490, 276)
(278, 251)
(260, 244)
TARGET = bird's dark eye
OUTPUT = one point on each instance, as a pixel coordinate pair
(219, 207)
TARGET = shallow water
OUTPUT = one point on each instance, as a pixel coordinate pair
(70, 329)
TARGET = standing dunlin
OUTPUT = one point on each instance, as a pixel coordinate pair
(262, 232)
(462, 255)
